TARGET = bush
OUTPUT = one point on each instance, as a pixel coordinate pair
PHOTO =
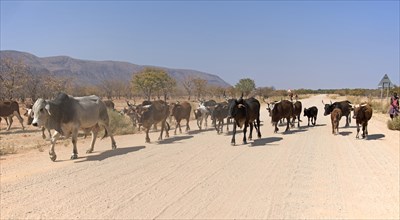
(119, 124)
(394, 124)
(380, 107)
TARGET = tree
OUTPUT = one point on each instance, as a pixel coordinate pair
(153, 80)
(246, 86)
(199, 86)
(13, 76)
(188, 85)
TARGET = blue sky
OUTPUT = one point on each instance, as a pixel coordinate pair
(285, 44)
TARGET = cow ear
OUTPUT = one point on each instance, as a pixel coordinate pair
(47, 107)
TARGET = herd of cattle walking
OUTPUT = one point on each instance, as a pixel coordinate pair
(67, 115)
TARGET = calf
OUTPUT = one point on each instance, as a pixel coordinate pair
(362, 114)
(244, 112)
(336, 115)
(181, 111)
(297, 107)
(201, 114)
(311, 113)
(8, 109)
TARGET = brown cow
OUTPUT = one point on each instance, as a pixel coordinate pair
(362, 114)
(8, 109)
(279, 110)
(150, 114)
(181, 111)
(336, 115)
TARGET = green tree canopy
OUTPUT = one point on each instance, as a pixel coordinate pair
(246, 86)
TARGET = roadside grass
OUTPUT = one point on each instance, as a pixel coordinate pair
(394, 124)
(119, 124)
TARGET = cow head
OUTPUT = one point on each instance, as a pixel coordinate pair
(234, 106)
(328, 108)
(40, 112)
(175, 108)
(305, 112)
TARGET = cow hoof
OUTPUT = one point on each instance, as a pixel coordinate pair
(114, 146)
(89, 151)
(53, 157)
(233, 143)
(148, 140)
(74, 156)
(244, 142)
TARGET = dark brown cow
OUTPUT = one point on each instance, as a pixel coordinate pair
(344, 106)
(362, 114)
(157, 111)
(8, 109)
(279, 110)
(219, 114)
(297, 107)
(181, 111)
(336, 115)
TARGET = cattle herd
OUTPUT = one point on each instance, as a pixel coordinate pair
(67, 114)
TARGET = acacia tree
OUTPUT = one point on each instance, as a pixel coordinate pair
(246, 86)
(13, 76)
(153, 80)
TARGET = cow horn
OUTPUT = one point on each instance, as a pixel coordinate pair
(330, 101)
(323, 102)
(47, 107)
(363, 105)
(241, 106)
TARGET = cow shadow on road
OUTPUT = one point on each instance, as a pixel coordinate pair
(374, 136)
(265, 141)
(110, 153)
(294, 130)
(345, 133)
(174, 139)
(199, 131)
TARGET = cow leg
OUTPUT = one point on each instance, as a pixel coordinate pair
(74, 141)
(222, 126)
(19, 119)
(233, 143)
(187, 125)
(54, 139)
(259, 129)
(358, 130)
(244, 133)
(298, 121)
(366, 129)
(94, 132)
(162, 130)
(166, 129)
(347, 121)
(176, 127)
(180, 129)
(288, 122)
(147, 135)
(309, 121)
(276, 127)
(251, 132)
(9, 125)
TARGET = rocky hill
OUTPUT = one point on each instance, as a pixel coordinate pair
(88, 72)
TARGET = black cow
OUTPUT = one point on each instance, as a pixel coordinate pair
(219, 114)
(297, 107)
(181, 111)
(344, 106)
(157, 111)
(280, 110)
(312, 114)
(244, 112)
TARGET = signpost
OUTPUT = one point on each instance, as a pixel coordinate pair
(385, 82)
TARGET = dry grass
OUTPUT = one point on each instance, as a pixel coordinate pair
(394, 124)
(8, 149)
(119, 124)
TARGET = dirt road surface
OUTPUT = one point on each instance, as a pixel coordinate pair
(305, 173)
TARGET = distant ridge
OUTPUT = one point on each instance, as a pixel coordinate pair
(90, 72)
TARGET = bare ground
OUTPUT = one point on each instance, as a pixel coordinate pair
(305, 173)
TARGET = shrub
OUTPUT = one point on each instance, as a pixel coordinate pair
(119, 124)
(394, 124)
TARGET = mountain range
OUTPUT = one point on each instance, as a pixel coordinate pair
(89, 72)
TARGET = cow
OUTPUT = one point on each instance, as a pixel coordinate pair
(336, 115)
(8, 109)
(312, 114)
(201, 114)
(344, 106)
(297, 107)
(181, 111)
(362, 114)
(109, 104)
(219, 114)
(67, 114)
(153, 113)
(281, 110)
(244, 112)
(29, 114)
